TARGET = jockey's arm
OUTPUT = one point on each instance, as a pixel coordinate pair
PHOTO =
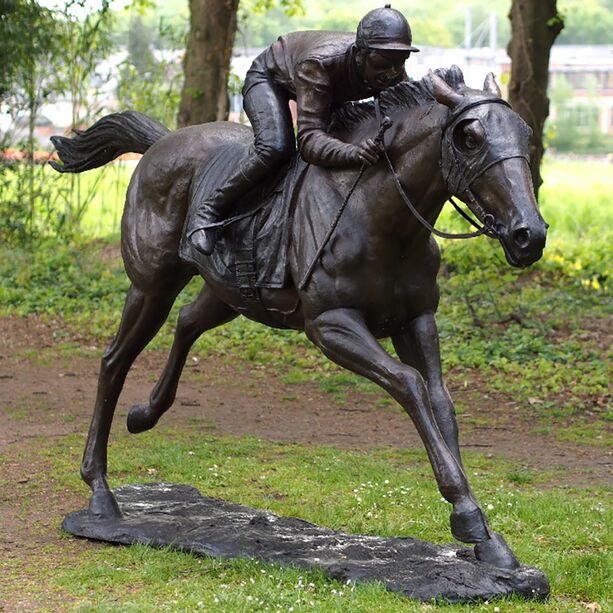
(314, 102)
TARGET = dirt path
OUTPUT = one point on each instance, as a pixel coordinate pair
(55, 399)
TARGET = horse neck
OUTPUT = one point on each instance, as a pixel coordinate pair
(414, 147)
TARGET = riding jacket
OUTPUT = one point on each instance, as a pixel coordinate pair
(318, 70)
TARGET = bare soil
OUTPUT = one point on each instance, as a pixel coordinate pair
(42, 400)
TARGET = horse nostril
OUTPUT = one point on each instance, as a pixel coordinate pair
(521, 237)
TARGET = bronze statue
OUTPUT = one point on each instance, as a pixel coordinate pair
(320, 70)
(374, 278)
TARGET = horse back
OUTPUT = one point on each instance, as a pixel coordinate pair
(159, 194)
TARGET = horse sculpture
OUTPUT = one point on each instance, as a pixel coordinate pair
(376, 277)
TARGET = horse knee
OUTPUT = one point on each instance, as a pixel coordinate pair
(187, 322)
(113, 367)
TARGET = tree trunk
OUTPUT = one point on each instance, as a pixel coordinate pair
(207, 61)
(535, 25)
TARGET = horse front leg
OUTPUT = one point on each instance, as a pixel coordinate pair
(343, 336)
(418, 346)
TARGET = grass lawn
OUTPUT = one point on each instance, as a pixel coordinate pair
(540, 336)
(564, 531)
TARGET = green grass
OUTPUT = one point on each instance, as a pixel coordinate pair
(388, 492)
(537, 335)
(88, 204)
(550, 357)
(107, 193)
(575, 198)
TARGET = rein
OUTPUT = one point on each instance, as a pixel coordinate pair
(488, 220)
(384, 124)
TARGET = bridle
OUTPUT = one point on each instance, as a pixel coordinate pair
(449, 159)
(462, 183)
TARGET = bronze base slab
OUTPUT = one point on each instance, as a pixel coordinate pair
(177, 516)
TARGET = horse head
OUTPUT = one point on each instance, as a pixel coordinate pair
(485, 163)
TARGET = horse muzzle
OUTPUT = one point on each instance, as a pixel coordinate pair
(523, 243)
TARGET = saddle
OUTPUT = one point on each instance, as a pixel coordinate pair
(252, 246)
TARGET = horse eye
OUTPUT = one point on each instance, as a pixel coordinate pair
(471, 142)
(467, 136)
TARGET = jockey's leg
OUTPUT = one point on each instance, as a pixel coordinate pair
(267, 107)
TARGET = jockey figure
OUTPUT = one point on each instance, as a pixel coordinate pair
(320, 70)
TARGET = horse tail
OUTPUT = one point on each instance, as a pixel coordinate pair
(108, 138)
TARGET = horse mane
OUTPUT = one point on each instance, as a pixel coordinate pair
(404, 95)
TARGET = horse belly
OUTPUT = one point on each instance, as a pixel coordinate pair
(276, 308)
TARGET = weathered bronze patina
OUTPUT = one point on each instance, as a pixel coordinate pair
(320, 70)
(376, 277)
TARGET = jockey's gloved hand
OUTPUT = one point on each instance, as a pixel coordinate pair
(369, 151)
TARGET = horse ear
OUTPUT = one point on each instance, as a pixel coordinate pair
(491, 86)
(443, 92)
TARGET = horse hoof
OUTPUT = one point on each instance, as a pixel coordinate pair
(469, 526)
(103, 504)
(496, 552)
(140, 419)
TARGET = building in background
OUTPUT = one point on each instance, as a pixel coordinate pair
(580, 89)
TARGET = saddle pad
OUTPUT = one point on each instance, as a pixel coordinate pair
(251, 248)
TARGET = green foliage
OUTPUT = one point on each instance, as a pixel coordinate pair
(532, 333)
(55, 277)
(54, 53)
(437, 22)
(289, 7)
(63, 205)
(149, 84)
(29, 47)
(22, 217)
(31, 40)
(536, 335)
(586, 22)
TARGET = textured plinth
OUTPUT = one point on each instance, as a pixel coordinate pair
(177, 516)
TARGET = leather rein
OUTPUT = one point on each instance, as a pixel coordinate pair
(488, 227)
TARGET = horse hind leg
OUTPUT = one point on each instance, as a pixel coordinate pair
(142, 317)
(204, 313)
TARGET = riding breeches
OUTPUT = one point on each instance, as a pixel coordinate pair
(267, 107)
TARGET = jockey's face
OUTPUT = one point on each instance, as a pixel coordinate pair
(380, 69)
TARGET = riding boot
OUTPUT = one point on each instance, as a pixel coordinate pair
(209, 216)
